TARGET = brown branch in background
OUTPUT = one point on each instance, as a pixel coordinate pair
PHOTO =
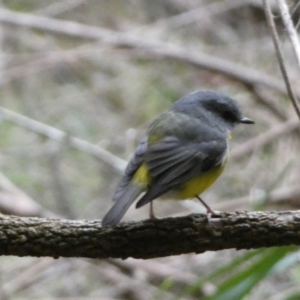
(249, 77)
(290, 29)
(288, 196)
(235, 71)
(58, 183)
(264, 138)
(58, 135)
(279, 54)
(230, 69)
(149, 238)
(124, 282)
(119, 164)
(27, 277)
(14, 201)
(264, 98)
(58, 8)
(195, 15)
(155, 269)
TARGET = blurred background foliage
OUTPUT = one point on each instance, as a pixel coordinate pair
(103, 83)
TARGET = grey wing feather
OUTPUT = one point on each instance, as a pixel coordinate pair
(184, 161)
(173, 163)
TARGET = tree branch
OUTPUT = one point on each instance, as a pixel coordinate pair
(156, 48)
(149, 238)
(58, 135)
(290, 29)
(279, 54)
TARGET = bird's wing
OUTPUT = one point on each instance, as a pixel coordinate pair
(173, 162)
(133, 165)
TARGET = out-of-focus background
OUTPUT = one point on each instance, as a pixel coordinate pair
(79, 83)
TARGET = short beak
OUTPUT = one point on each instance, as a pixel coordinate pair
(245, 120)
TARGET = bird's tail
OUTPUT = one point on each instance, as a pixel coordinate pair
(118, 210)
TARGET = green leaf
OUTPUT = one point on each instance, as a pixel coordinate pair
(221, 272)
(239, 285)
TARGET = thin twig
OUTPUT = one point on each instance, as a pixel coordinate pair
(58, 135)
(196, 14)
(292, 33)
(156, 269)
(14, 201)
(264, 138)
(266, 99)
(154, 47)
(280, 58)
(286, 195)
(27, 277)
(59, 7)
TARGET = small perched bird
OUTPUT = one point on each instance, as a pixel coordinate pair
(184, 152)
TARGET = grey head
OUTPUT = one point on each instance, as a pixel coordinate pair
(213, 108)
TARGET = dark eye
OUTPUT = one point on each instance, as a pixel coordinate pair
(227, 115)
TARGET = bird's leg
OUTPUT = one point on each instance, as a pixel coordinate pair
(151, 212)
(208, 209)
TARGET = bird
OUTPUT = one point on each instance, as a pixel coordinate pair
(184, 151)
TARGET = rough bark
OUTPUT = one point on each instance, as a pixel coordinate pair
(196, 233)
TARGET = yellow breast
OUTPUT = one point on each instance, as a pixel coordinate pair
(199, 184)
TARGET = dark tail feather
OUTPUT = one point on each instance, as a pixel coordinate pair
(150, 195)
(119, 209)
(144, 200)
